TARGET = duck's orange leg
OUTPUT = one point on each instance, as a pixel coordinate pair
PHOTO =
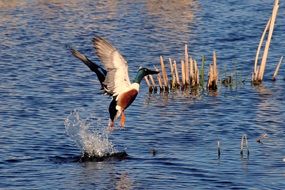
(123, 119)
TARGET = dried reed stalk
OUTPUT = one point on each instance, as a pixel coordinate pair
(183, 72)
(277, 69)
(159, 78)
(210, 76)
(203, 71)
(215, 66)
(173, 79)
(213, 74)
(152, 80)
(196, 73)
(191, 72)
(147, 81)
(267, 45)
(176, 73)
(164, 74)
(186, 62)
(259, 47)
(150, 86)
(258, 75)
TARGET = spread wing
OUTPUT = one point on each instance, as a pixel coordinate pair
(117, 79)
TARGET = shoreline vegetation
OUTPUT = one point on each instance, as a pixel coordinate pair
(187, 75)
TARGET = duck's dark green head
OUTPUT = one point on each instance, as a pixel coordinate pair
(142, 72)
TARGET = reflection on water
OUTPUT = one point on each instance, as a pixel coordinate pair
(124, 182)
(172, 14)
(11, 4)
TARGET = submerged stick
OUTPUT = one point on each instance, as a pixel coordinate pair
(244, 145)
(219, 149)
(277, 69)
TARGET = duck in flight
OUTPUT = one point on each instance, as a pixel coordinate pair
(114, 79)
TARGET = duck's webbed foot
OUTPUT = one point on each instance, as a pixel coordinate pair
(111, 125)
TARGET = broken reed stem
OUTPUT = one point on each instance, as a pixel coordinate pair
(147, 81)
(159, 78)
(176, 73)
(164, 74)
(210, 76)
(151, 87)
(277, 69)
(213, 74)
(152, 81)
(173, 82)
(260, 73)
(267, 45)
(196, 73)
(183, 72)
(186, 62)
(191, 72)
(259, 47)
(187, 80)
(215, 67)
(202, 71)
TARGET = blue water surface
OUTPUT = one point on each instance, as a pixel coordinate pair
(41, 83)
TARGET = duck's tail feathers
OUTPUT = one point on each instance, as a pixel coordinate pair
(100, 72)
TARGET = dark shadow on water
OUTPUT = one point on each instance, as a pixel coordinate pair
(87, 158)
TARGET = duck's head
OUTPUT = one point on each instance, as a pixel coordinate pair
(145, 71)
(142, 72)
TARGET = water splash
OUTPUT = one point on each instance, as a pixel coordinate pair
(89, 133)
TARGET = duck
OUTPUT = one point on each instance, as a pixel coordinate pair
(114, 78)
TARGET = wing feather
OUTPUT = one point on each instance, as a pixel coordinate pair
(117, 79)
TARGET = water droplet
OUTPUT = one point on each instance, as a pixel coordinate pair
(89, 133)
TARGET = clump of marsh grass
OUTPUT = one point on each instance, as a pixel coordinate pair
(189, 77)
(231, 78)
